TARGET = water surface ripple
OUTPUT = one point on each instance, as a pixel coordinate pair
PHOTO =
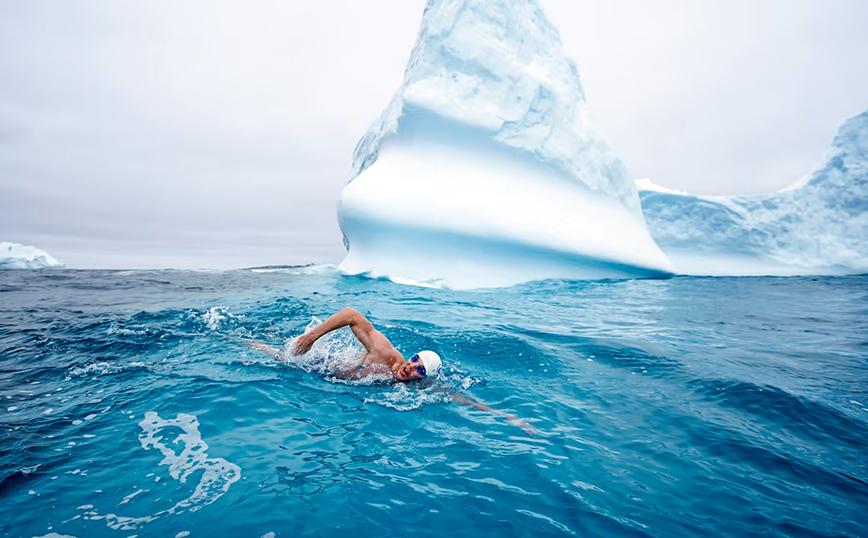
(685, 407)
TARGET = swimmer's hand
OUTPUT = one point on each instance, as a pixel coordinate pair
(302, 344)
(515, 421)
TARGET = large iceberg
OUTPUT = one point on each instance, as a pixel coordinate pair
(817, 226)
(484, 171)
(15, 256)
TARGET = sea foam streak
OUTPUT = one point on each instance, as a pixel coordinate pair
(218, 474)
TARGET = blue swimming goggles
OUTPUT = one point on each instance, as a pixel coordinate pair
(419, 366)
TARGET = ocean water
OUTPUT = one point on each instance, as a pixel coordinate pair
(131, 406)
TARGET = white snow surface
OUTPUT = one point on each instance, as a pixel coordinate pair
(647, 185)
(15, 256)
(484, 171)
(819, 225)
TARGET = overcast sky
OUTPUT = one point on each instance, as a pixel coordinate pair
(216, 134)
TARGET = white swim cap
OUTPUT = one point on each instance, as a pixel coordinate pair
(431, 362)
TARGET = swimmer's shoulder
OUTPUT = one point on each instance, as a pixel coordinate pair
(361, 371)
(386, 356)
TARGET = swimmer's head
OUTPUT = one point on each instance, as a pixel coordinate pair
(421, 365)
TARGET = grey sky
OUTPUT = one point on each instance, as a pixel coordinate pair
(218, 134)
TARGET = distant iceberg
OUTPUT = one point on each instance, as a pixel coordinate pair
(819, 225)
(15, 256)
(484, 171)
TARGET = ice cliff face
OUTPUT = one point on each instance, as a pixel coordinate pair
(483, 169)
(818, 226)
(15, 256)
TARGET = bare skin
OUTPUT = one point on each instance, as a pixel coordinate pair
(379, 357)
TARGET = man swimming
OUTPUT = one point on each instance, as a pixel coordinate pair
(379, 357)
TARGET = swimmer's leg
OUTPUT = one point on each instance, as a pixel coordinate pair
(272, 352)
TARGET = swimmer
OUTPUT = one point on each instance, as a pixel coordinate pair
(380, 357)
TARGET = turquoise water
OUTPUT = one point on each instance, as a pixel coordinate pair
(681, 407)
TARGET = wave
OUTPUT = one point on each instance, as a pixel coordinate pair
(802, 418)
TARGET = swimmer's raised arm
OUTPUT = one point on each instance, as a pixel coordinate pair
(362, 328)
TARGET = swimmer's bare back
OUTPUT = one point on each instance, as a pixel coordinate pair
(380, 356)
(357, 371)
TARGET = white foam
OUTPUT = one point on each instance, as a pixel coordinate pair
(401, 398)
(123, 331)
(103, 368)
(217, 473)
(131, 496)
(336, 350)
(216, 317)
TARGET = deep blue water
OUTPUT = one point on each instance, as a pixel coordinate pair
(682, 407)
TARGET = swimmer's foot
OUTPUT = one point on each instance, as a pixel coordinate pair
(272, 352)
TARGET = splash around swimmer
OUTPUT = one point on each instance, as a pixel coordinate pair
(380, 356)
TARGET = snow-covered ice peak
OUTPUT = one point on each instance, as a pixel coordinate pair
(484, 171)
(819, 225)
(497, 69)
(847, 162)
(645, 184)
(16, 256)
